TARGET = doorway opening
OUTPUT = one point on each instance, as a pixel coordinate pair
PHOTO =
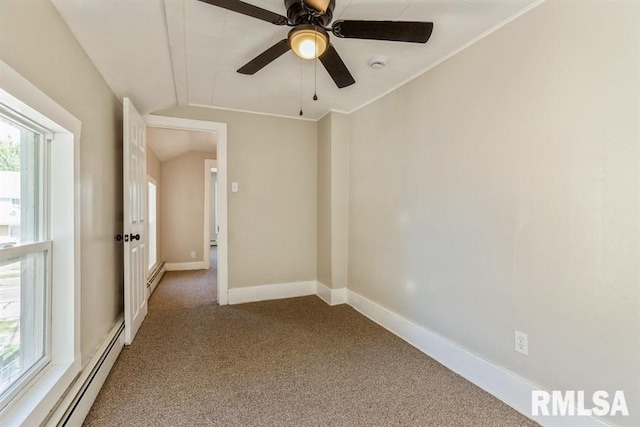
(211, 228)
(202, 255)
(212, 235)
(213, 231)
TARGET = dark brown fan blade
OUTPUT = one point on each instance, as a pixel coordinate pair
(336, 68)
(398, 31)
(265, 58)
(249, 10)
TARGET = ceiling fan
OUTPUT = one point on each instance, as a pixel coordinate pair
(309, 37)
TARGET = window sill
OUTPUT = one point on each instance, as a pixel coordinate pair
(32, 406)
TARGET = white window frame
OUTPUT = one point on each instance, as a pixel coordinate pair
(32, 404)
(32, 372)
(42, 244)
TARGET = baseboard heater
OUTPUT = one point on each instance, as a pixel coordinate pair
(155, 277)
(75, 406)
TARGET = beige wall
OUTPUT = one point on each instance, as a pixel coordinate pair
(154, 170)
(324, 201)
(272, 219)
(35, 41)
(182, 206)
(333, 199)
(499, 191)
(339, 199)
(154, 165)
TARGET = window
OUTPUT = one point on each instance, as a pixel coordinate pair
(153, 245)
(25, 251)
(39, 285)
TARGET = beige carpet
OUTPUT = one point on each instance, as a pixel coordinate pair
(295, 362)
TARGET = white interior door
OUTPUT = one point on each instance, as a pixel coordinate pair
(135, 198)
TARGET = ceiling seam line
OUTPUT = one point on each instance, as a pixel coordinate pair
(186, 63)
(173, 68)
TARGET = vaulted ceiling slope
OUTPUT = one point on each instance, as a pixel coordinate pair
(163, 53)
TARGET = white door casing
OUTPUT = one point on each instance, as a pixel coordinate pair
(134, 167)
(221, 129)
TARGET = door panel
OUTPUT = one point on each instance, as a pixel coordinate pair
(135, 197)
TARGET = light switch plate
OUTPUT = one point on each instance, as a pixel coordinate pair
(234, 187)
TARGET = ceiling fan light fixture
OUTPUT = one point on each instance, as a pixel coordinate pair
(308, 41)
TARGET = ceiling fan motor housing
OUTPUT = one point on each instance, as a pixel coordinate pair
(299, 14)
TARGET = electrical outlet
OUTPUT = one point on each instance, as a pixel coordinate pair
(193, 255)
(522, 346)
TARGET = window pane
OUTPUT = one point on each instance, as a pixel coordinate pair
(22, 316)
(20, 185)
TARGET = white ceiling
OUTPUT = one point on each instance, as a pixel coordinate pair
(170, 143)
(163, 53)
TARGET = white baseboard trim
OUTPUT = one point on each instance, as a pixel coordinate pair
(183, 266)
(323, 292)
(331, 296)
(271, 292)
(338, 296)
(506, 386)
(155, 278)
(76, 404)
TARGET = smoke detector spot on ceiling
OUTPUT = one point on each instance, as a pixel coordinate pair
(378, 62)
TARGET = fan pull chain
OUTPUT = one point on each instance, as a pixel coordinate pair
(315, 70)
(315, 81)
(301, 113)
